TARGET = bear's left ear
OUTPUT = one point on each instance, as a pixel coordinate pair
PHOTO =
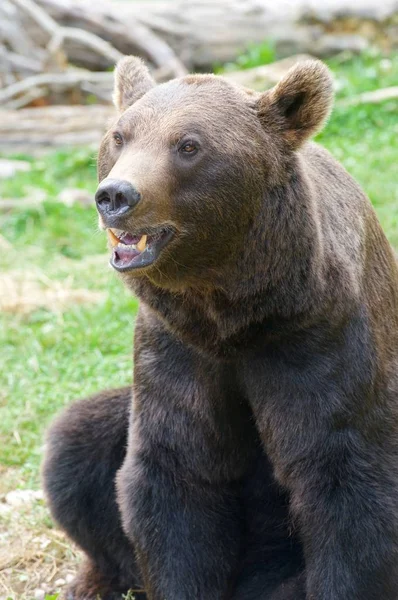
(299, 104)
(132, 81)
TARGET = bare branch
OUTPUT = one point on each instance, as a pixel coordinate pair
(27, 98)
(20, 62)
(58, 33)
(92, 41)
(69, 79)
(38, 14)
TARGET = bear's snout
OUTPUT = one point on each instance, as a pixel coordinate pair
(114, 197)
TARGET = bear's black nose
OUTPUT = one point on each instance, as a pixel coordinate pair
(115, 196)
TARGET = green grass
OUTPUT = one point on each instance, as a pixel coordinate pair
(364, 138)
(254, 55)
(48, 359)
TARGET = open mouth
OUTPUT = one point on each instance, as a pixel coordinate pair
(132, 251)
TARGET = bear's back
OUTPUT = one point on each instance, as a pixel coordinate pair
(347, 219)
(352, 237)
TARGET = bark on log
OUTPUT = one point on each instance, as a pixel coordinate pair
(36, 129)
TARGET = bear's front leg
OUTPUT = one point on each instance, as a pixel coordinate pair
(333, 446)
(179, 487)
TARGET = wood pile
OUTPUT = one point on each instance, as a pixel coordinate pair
(41, 58)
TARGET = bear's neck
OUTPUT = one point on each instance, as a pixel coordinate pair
(275, 282)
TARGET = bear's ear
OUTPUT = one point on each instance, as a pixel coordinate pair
(132, 81)
(299, 104)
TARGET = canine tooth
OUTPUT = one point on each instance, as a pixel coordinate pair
(142, 243)
(114, 240)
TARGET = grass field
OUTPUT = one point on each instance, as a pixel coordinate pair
(53, 354)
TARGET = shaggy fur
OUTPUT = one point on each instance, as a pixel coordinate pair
(261, 455)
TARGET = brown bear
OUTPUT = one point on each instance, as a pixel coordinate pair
(257, 457)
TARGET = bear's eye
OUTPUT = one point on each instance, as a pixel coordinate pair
(118, 139)
(188, 148)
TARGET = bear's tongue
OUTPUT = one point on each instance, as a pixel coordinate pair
(124, 256)
(126, 246)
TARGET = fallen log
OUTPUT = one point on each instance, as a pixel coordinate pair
(36, 129)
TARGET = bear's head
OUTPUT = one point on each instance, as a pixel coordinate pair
(186, 169)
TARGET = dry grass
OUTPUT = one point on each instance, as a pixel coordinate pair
(23, 292)
(35, 558)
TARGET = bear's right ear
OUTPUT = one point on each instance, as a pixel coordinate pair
(132, 81)
(297, 107)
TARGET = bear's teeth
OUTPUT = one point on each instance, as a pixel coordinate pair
(131, 246)
(142, 243)
(114, 240)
